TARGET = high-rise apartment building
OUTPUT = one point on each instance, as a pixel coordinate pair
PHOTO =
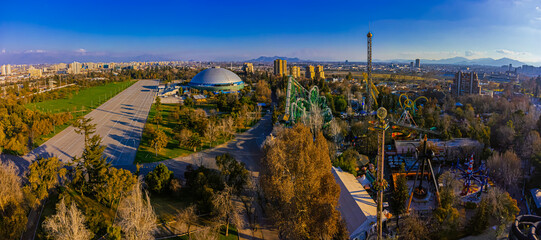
(319, 72)
(465, 83)
(34, 72)
(280, 67)
(295, 71)
(6, 69)
(417, 63)
(248, 68)
(74, 68)
(310, 72)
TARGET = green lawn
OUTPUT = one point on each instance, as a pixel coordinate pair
(83, 100)
(166, 206)
(81, 103)
(147, 154)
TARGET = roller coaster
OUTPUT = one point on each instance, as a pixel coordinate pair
(300, 102)
(526, 227)
(409, 109)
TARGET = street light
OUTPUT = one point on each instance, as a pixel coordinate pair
(382, 126)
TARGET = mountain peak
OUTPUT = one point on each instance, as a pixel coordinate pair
(271, 59)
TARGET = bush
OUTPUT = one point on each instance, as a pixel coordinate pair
(159, 178)
(470, 205)
(348, 161)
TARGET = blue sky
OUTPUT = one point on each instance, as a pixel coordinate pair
(239, 30)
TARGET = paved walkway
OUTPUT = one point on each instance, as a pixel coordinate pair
(246, 148)
(119, 121)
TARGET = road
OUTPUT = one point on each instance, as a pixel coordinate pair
(246, 148)
(119, 121)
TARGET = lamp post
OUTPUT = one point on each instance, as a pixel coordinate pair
(382, 126)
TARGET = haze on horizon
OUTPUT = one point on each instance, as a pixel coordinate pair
(241, 30)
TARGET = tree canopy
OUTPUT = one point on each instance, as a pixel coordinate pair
(298, 185)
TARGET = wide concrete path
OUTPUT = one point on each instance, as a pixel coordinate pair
(246, 148)
(119, 121)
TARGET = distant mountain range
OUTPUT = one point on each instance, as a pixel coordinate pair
(271, 59)
(67, 57)
(464, 61)
(51, 57)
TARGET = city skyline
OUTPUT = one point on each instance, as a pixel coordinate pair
(237, 31)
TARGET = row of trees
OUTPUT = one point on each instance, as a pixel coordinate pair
(21, 127)
(88, 177)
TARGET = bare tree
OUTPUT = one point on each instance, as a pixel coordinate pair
(188, 217)
(227, 127)
(208, 233)
(10, 185)
(211, 131)
(531, 145)
(314, 119)
(137, 217)
(413, 228)
(504, 168)
(228, 211)
(67, 224)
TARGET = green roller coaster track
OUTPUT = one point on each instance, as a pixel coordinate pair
(300, 102)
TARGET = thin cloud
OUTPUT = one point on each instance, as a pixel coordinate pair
(513, 53)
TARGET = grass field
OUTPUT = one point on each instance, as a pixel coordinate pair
(146, 154)
(83, 100)
(81, 103)
(167, 206)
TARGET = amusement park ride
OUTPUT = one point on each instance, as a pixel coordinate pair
(409, 109)
(425, 155)
(301, 102)
(475, 181)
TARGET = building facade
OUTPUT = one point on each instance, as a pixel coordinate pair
(295, 71)
(6, 69)
(280, 67)
(319, 72)
(417, 63)
(248, 68)
(34, 72)
(74, 68)
(310, 72)
(465, 83)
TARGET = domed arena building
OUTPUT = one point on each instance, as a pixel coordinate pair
(217, 79)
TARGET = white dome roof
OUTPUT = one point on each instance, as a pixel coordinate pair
(215, 76)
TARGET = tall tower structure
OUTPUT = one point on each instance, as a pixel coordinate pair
(369, 71)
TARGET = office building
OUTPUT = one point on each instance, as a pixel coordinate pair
(319, 72)
(465, 83)
(248, 68)
(412, 65)
(417, 63)
(74, 68)
(310, 72)
(280, 67)
(295, 71)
